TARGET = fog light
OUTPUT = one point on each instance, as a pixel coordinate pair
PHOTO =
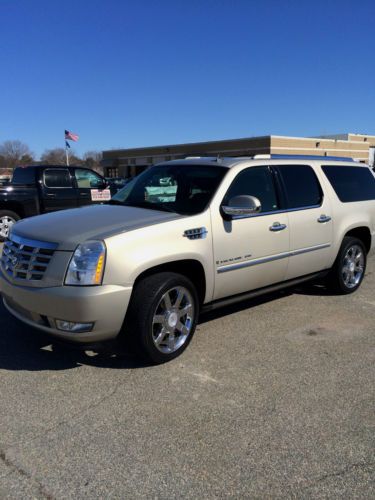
(71, 326)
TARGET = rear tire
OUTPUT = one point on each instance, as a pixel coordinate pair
(162, 316)
(349, 268)
(7, 219)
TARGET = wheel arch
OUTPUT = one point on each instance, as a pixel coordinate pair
(363, 233)
(13, 206)
(190, 268)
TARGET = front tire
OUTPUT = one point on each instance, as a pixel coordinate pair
(162, 316)
(349, 268)
(7, 219)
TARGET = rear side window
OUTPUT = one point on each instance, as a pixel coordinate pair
(24, 175)
(351, 183)
(301, 185)
(57, 178)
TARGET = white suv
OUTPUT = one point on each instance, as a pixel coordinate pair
(221, 230)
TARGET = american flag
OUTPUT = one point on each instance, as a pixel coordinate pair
(70, 136)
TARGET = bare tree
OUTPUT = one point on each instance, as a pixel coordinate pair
(92, 160)
(57, 156)
(15, 153)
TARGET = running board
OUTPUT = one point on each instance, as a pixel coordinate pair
(227, 301)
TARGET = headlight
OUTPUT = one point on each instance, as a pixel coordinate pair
(87, 264)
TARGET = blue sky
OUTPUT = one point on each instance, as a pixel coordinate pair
(149, 72)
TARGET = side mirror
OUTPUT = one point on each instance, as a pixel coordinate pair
(101, 185)
(242, 205)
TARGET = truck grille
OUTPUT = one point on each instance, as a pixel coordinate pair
(24, 259)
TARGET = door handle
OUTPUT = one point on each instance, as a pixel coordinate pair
(51, 195)
(324, 218)
(276, 226)
(84, 194)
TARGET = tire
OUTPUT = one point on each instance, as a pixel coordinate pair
(7, 219)
(349, 268)
(162, 316)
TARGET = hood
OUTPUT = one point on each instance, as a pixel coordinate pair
(68, 228)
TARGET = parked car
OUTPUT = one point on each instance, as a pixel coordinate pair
(145, 264)
(117, 182)
(46, 188)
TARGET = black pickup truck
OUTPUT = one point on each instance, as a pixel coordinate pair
(40, 189)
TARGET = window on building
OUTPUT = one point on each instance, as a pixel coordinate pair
(301, 185)
(351, 183)
(112, 172)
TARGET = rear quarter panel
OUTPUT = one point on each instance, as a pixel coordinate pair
(25, 197)
(347, 216)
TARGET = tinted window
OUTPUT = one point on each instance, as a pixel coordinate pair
(351, 183)
(57, 178)
(301, 185)
(258, 182)
(88, 179)
(24, 175)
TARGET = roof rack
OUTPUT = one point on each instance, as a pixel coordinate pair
(298, 157)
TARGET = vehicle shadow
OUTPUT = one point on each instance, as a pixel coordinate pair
(317, 288)
(24, 348)
(207, 316)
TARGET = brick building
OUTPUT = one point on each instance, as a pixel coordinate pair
(130, 162)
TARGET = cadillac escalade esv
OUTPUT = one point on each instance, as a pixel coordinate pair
(184, 236)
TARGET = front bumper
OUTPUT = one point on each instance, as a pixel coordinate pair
(105, 306)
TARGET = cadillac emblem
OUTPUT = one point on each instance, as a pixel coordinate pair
(14, 260)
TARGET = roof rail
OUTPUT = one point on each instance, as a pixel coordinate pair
(298, 157)
(212, 158)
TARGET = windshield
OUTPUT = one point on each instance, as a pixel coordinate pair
(184, 189)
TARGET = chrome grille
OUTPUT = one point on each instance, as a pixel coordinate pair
(25, 259)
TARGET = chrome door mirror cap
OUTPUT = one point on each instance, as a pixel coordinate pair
(241, 206)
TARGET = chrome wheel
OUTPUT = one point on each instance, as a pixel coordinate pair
(353, 266)
(6, 223)
(173, 320)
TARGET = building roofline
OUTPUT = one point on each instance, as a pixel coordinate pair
(167, 148)
(188, 144)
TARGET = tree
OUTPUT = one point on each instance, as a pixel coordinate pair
(26, 159)
(92, 160)
(13, 153)
(57, 156)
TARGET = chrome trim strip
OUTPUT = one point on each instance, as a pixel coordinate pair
(32, 243)
(309, 249)
(253, 262)
(282, 211)
(263, 260)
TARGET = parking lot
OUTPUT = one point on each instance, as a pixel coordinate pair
(273, 398)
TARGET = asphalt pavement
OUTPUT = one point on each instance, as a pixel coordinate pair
(274, 398)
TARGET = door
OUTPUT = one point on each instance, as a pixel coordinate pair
(90, 187)
(57, 190)
(251, 252)
(310, 220)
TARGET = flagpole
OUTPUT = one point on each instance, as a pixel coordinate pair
(66, 154)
